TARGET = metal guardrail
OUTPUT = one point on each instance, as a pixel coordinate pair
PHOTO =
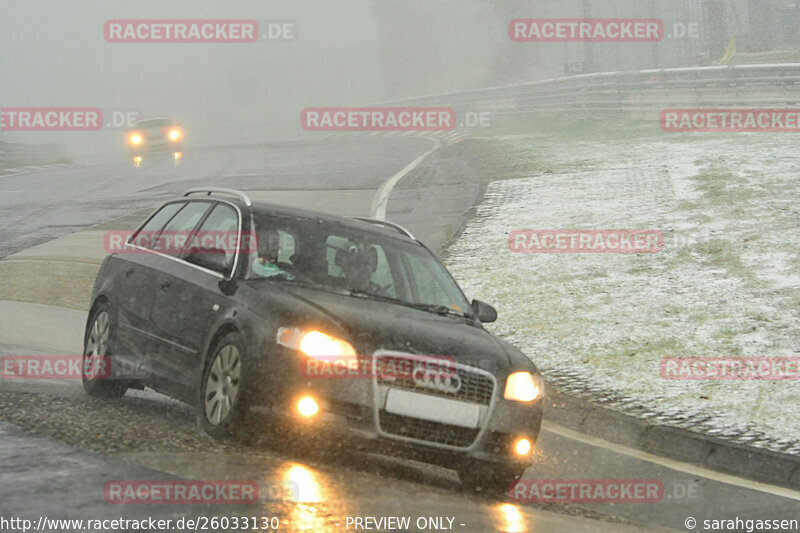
(645, 91)
(636, 94)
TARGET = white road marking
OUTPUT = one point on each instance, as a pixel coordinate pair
(672, 464)
(382, 196)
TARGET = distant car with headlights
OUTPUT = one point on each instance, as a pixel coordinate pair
(155, 135)
(341, 325)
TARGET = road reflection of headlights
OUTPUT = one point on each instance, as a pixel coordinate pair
(511, 520)
(522, 387)
(303, 484)
(315, 343)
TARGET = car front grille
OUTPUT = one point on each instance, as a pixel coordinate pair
(475, 387)
(424, 430)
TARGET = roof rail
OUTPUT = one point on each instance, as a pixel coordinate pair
(387, 224)
(208, 191)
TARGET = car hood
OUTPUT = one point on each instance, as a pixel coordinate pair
(373, 325)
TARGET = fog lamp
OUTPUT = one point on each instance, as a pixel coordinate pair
(522, 447)
(307, 407)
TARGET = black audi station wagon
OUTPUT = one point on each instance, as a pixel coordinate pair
(334, 324)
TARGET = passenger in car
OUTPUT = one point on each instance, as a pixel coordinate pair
(265, 264)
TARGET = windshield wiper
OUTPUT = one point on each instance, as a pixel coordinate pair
(438, 309)
(432, 308)
(359, 293)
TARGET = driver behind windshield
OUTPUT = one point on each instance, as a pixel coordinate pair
(358, 263)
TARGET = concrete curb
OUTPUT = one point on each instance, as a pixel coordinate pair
(675, 443)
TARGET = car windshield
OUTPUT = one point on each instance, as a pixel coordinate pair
(154, 123)
(344, 259)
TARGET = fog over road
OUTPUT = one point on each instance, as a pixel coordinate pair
(45, 477)
(463, 121)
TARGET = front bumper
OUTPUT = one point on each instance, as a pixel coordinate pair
(359, 408)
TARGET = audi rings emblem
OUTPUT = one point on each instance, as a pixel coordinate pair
(444, 380)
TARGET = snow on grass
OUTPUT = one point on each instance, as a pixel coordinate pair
(726, 284)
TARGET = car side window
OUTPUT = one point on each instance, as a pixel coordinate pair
(219, 231)
(150, 230)
(175, 235)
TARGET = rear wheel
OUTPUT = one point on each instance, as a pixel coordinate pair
(225, 401)
(97, 347)
(488, 478)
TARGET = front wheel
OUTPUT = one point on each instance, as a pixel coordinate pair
(95, 365)
(488, 478)
(225, 402)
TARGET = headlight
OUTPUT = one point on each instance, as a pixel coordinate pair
(314, 343)
(175, 134)
(522, 387)
(135, 138)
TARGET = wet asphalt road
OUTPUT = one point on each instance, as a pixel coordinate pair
(309, 491)
(41, 205)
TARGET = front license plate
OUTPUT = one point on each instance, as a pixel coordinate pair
(433, 408)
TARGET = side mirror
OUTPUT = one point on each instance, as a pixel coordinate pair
(228, 287)
(210, 258)
(485, 312)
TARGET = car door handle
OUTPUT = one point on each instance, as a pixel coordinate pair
(164, 285)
